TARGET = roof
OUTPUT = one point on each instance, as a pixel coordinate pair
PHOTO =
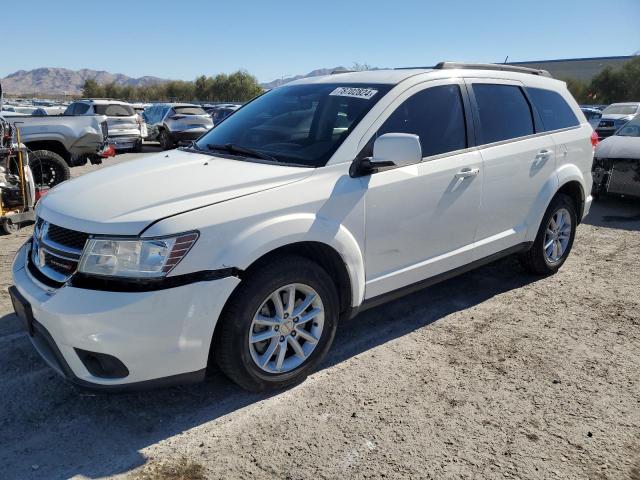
(389, 77)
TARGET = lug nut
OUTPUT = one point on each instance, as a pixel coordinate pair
(293, 334)
(286, 315)
(282, 339)
(295, 320)
(276, 328)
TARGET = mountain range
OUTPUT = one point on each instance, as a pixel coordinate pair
(58, 81)
(63, 80)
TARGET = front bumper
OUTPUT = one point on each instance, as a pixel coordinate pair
(162, 337)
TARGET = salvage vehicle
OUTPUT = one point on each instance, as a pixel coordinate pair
(125, 126)
(176, 123)
(58, 142)
(614, 117)
(616, 166)
(314, 201)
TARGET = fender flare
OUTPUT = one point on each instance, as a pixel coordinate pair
(269, 235)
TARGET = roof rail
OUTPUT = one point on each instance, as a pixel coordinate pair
(504, 67)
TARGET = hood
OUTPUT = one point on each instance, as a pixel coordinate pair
(618, 146)
(125, 198)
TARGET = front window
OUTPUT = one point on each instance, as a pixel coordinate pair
(630, 129)
(297, 124)
(620, 110)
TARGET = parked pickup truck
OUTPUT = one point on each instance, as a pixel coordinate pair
(58, 142)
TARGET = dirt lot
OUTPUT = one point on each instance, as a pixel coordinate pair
(495, 374)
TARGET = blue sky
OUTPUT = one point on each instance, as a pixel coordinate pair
(181, 40)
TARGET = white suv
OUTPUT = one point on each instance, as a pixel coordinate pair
(314, 201)
(124, 124)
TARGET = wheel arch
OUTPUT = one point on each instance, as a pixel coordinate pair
(573, 189)
(52, 146)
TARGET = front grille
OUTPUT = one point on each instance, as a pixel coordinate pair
(66, 237)
(56, 251)
(625, 177)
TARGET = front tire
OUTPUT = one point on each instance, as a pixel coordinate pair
(554, 239)
(278, 325)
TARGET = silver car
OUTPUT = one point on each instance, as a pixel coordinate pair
(125, 125)
(176, 123)
(615, 116)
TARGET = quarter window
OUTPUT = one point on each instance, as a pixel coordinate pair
(81, 108)
(553, 109)
(504, 112)
(435, 114)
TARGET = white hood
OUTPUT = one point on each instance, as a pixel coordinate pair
(619, 146)
(125, 198)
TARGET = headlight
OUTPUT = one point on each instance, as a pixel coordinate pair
(137, 258)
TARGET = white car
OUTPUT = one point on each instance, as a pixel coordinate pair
(316, 200)
(125, 125)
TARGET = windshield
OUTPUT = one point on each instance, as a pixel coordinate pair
(297, 124)
(630, 129)
(620, 110)
(114, 110)
(188, 110)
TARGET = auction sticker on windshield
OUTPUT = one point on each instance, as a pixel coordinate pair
(355, 92)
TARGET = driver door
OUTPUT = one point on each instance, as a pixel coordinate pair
(421, 219)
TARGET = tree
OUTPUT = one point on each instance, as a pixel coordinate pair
(92, 89)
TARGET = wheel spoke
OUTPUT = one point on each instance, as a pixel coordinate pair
(277, 302)
(291, 299)
(554, 253)
(296, 347)
(282, 351)
(262, 320)
(548, 244)
(307, 336)
(262, 336)
(310, 315)
(304, 304)
(266, 356)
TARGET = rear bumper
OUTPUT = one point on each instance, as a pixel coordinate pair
(187, 135)
(162, 337)
(120, 142)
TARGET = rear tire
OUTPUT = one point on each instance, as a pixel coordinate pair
(165, 140)
(49, 169)
(554, 239)
(138, 147)
(10, 227)
(250, 365)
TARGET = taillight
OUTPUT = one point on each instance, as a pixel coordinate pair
(594, 139)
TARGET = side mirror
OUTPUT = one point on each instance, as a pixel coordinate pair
(390, 149)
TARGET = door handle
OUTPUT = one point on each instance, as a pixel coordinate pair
(468, 172)
(543, 155)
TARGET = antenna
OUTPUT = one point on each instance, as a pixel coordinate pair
(505, 59)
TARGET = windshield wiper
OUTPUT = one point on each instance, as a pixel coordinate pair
(249, 152)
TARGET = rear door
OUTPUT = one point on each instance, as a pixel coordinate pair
(518, 160)
(121, 119)
(190, 119)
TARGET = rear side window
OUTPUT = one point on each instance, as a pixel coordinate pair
(553, 109)
(436, 115)
(504, 112)
(82, 108)
(115, 110)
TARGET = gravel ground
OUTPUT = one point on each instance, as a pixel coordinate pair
(494, 374)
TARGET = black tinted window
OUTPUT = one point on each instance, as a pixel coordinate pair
(504, 112)
(115, 110)
(436, 115)
(189, 110)
(81, 108)
(552, 108)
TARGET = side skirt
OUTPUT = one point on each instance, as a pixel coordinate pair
(414, 287)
